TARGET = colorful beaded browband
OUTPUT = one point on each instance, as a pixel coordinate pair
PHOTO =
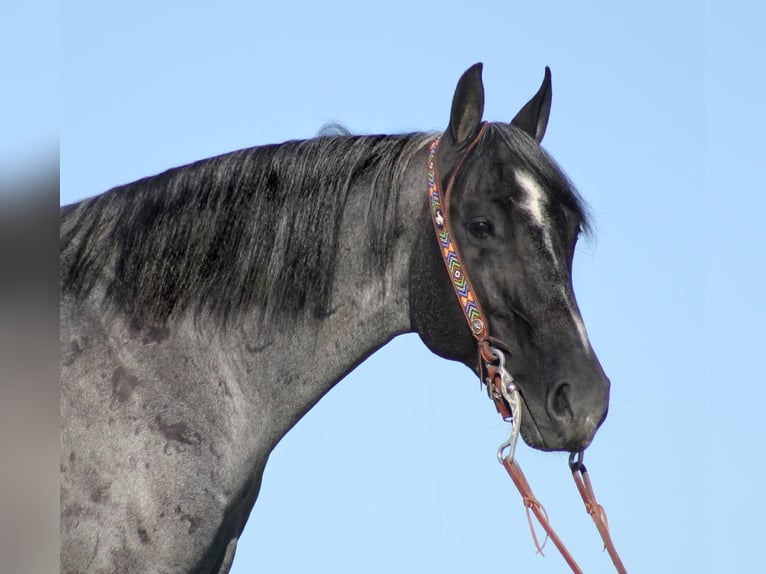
(460, 282)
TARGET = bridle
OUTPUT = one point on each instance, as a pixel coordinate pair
(490, 358)
(500, 384)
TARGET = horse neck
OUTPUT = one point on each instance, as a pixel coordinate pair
(286, 368)
(274, 369)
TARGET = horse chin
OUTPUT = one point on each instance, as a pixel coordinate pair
(532, 436)
(530, 432)
(536, 438)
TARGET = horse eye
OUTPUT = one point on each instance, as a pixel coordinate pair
(480, 228)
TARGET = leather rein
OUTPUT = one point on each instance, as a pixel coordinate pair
(501, 386)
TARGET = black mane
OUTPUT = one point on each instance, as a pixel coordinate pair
(252, 228)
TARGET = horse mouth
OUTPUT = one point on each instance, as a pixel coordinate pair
(547, 440)
(535, 436)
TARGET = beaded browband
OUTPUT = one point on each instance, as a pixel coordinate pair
(439, 207)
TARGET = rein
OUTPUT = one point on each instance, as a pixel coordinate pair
(501, 386)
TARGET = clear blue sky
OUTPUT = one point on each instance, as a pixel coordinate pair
(657, 117)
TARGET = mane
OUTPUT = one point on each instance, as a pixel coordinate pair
(256, 228)
(536, 160)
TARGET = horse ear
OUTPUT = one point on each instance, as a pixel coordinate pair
(467, 107)
(533, 117)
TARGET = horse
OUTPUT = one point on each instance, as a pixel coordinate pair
(206, 309)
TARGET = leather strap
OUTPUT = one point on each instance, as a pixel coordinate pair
(592, 507)
(531, 503)
(453, 262)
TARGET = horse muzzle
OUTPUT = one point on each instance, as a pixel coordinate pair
(568, 416)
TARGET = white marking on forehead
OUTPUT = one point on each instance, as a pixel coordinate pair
(534, 204)
(534, 196)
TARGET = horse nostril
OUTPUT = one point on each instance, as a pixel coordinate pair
(559, 405)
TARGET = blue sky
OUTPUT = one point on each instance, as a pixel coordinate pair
(657, 117)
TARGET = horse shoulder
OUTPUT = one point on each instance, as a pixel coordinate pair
(152, 465)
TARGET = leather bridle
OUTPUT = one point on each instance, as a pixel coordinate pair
(491, 365)
(490, 349)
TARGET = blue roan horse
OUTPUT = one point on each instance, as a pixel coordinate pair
(206, 309)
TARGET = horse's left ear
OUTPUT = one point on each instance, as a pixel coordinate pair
(533, 117)
(467, 107)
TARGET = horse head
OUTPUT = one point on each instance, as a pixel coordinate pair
(516, 219)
